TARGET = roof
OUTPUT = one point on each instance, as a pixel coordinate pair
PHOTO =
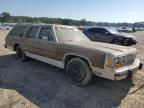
(43, 24)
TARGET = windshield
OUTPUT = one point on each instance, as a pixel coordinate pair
(113, 31)
(65, 34)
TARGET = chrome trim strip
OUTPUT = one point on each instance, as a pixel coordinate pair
(46, 60)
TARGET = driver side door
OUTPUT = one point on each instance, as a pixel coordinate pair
(103, 35)
(45, 43)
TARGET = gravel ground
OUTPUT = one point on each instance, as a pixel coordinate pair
(35, 84)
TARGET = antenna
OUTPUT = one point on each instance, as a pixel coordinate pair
(70, 14)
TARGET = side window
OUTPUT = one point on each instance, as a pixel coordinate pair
(31, 33)
(103, 30)
(97, 30)
(18, 31)
(94, 30)
(91, 30)
(46, 33)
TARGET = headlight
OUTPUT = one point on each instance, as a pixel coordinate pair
(116, 62)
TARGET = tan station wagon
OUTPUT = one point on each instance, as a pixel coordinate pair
(68, 48)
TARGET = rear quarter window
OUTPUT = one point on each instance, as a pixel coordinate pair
(18, 31)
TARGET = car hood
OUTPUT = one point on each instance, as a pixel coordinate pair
(108, 48)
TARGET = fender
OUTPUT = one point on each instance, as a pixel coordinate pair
(78, 55)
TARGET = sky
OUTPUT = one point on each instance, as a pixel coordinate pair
(92, 10)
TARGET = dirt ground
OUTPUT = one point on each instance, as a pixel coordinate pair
(35, 84)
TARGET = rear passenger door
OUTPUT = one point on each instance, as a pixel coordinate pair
(46, 44)
(30, 38)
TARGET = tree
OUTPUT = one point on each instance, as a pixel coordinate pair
(83, 22)
(5, 17)
(67, 22)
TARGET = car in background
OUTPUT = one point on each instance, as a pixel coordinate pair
(109, 35)
(3, 27)
(7, 27)
(140, 29)
(0, 26)
(126, 29)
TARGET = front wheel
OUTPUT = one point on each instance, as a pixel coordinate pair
(125, 42)
(78, 72)
(116, 41)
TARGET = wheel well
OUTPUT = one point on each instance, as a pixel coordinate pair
(15, 46)
(69, 57)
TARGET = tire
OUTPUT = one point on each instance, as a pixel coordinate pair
(20, 54)
(78, 72)
(115, 41)
(125, 43)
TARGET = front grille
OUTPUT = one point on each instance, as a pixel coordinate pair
(130, 59)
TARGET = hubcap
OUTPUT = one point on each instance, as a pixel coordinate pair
(76, 73)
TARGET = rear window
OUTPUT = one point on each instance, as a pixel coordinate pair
(18, 31)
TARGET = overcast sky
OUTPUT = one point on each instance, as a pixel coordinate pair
(93, 10)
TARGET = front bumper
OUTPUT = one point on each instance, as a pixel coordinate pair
(123, 72)
(134, 42)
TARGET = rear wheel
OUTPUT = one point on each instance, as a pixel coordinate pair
(20, 54)
(125, 42)
(116, 41)
(78, 72)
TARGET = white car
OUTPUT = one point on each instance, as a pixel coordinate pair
(5, 27)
